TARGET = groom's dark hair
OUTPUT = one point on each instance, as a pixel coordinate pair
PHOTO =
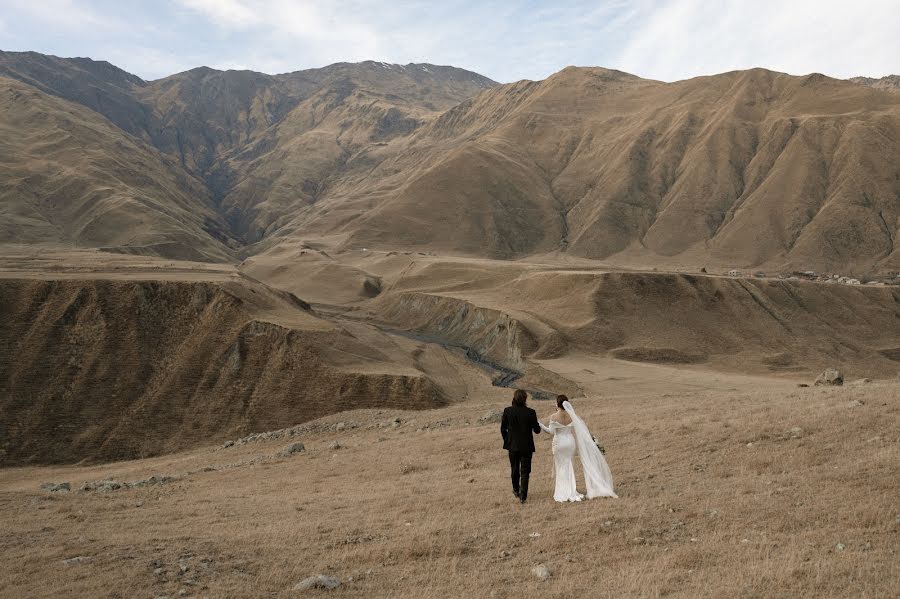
(560, 399)
(519, 398)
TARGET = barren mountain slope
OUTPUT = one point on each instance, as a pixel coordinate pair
(68, 175)
(356, 116)
(95, 84)
(108, 369)
(264, 146)
(743, 168)
(888, 82)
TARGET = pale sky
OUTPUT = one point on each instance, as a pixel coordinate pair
(504, 40)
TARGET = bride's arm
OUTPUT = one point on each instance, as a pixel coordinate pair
(546, 429)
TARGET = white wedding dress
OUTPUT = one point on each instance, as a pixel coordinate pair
(574, 439)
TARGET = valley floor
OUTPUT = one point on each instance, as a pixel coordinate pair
(745, 488)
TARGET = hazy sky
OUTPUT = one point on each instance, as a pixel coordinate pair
(507, 41)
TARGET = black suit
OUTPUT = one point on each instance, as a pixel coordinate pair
(516, 427)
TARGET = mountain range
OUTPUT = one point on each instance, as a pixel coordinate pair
(747, 168)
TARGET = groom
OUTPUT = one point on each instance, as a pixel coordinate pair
(519, 421)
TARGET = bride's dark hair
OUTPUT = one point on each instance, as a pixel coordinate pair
(559, 401)
(519, 398)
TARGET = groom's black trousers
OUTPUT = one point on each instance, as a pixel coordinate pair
(520, 471)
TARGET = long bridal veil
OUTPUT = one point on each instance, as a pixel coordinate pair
(597, 476)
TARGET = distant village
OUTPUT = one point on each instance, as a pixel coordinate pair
(891, 278)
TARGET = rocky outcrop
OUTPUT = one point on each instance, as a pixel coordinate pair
(490, 335)
(830, 377)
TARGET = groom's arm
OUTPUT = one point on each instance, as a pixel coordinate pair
(535, 425)
(504, 426)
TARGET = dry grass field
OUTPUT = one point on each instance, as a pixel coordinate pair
(742, 487)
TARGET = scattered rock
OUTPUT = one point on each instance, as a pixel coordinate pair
(101, 485)
(541, 571)
(148, 482)
(491, 417)
(106, 485)
(228, 444)
(292, 449)
(57, 487)
(830, 377)
(505, 554)
(796, 432)
(840, 546)
(535, 535)
(802, 385)
(859, 382)
(855, 403)
(319, 581)
(81, 559)
(335, 445)
(340, 426)
(159, 571)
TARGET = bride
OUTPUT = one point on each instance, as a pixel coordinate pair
(570, 437)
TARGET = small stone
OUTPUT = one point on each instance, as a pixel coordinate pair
(840, 546)
(749, 444)
(340, 426)
(184, 568)
(335, 445)
(505, 554)
(796, 432)
(541, 571)
(319, 581)
(535, 535)
(182, 593)
(159, 571)
(855, 403)
(228, 444)
(81, 559)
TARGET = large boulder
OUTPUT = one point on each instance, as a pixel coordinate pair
(830, 377)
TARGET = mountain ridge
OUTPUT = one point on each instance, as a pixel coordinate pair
(750, 168)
